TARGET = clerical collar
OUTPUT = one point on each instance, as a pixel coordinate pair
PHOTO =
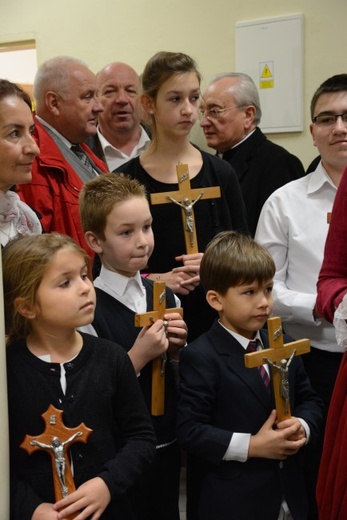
(244, 139)
(233, 148)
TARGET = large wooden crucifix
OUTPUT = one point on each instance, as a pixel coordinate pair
(186, 198)
(279, 356)
(158, 365)
(55, 439)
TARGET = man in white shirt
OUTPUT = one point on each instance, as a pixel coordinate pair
(293, 226)
(120, 136)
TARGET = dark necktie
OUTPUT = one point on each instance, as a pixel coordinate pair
(252, 347)
(83, 157)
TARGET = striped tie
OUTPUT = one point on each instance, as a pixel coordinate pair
(83, 157)
(252, 347)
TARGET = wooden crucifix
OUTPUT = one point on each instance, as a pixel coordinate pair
(158, 365)
(279, 356)
(186, 198)
(55, 439)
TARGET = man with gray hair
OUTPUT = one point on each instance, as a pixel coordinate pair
(230, 115)
(67, 109)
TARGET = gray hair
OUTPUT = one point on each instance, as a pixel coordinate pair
(53, 75)
(244, 91)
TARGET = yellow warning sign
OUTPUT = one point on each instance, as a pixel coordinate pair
(266, 73)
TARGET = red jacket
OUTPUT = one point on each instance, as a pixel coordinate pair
(55, 188)
(332, 286)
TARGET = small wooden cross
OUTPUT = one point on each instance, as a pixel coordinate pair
(186, 197)
(158, 365)
(55, 439)
(279, 356)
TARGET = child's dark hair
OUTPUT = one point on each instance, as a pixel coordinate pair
(232, 259)
(99, 196)
(24, 261)
(337, 83)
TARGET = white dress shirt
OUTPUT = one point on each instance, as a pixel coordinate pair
(293, 227)
(239, 442)
(115, 157)
(127, 290)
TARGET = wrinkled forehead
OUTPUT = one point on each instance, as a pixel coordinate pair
(119, 76)
(81, 79)
(220, 93)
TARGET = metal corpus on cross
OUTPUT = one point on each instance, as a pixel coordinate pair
(55, 440)
(186, 198)
(279, 356)
(158, 365)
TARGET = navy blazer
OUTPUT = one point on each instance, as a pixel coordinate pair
(261, 167)
(218, 396)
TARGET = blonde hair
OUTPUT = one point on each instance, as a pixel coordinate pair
(99, 196)
(232, 259)
(25, 260)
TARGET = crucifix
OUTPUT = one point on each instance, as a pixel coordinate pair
(279, 357)
(55, 439)
(186, 198)
(158, 365)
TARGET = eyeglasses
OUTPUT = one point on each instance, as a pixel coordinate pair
(327, 120)
(214, 113)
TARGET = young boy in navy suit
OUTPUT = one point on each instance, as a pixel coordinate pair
(117, 222)
(251, 467)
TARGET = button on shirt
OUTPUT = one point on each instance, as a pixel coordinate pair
(115, 157)
(293, 227)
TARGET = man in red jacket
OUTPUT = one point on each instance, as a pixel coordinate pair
(66, 115)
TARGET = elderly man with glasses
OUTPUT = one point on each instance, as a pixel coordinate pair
(230, 114)
(293, 225)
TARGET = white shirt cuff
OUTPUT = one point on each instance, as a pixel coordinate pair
(238, 447)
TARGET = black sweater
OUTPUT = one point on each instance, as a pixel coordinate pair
(102, 392)
(115, 321)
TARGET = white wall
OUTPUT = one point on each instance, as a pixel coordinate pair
(133, 30)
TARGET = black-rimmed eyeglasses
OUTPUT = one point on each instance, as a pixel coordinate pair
(329, 119)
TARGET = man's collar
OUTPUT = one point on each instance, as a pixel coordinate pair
(241, 339)
(318, 178)
(144, 138)
(61, 137)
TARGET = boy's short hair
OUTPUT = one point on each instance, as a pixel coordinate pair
(232, 259)
(99, 196)
(337, 83)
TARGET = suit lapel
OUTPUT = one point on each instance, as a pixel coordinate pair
(233, 355)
